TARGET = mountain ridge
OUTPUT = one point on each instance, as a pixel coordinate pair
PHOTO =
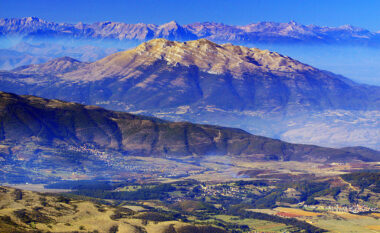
(208, 56)
(53, 122)
(255, 32)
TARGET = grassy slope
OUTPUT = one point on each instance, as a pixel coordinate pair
(56, 214)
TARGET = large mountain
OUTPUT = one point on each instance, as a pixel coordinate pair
(27, 119)
(162, 75)
(32, 27)
(206, 82)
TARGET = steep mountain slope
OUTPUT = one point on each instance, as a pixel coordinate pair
(162, 75)
(51, 122)
(32, 27)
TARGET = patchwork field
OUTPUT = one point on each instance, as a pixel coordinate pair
(297, 212)
(331, 221)
(258, 225)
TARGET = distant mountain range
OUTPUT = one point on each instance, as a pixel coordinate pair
(29, 119)
(200, 81)
(262, 32)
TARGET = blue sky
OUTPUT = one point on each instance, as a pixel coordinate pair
(364, 13)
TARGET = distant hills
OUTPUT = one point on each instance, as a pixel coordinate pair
(53, 123)
(24, 53)
(200, 81)
(265, 32)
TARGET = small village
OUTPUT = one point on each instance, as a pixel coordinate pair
(221, 190)
(140, 168)
(88, 149)
(353, 208)
(230, 190)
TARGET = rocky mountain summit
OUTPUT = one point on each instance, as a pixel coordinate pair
(207, 56)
